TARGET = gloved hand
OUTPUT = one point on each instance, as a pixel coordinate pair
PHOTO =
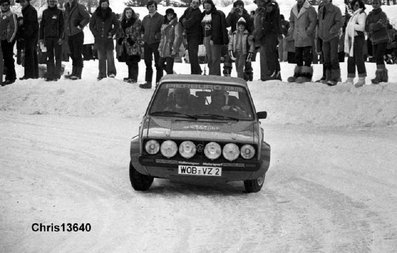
(130, 41)
(232, 55)
(249, 57)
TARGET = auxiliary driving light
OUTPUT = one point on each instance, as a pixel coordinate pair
(231, 151)
(212, 150)
(168, 148)
(187, 149)
(152, 147)
(247, 151)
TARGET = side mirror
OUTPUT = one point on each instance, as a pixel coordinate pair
(261, 115)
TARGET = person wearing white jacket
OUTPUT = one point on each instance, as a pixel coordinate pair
(354, 43)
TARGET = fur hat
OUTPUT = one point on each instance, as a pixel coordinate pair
(169, 11)
(102, 1)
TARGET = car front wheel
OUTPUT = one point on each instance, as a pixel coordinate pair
(254, 185)
(139, 181)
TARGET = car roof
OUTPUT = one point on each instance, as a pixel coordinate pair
(183, 78)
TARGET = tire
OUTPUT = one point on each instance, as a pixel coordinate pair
(139, 181)
(254, 185)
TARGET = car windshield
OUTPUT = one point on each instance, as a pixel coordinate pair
(202, 101)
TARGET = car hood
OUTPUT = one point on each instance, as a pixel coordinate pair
(218, 130)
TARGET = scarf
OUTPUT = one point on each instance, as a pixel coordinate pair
(356, 23)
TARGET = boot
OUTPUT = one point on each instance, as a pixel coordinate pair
(361, 82)
(349, 81)
(306, 75)
(378, 77)
(385, 76)
(146, 85)
(77, 74)
(71, 74)
(334, 77)
(297, 73)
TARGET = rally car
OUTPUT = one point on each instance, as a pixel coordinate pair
(200, 128)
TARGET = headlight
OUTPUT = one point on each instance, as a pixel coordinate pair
(230, 151)
(168, 148)
(187, 149)
(247, 151)
(152, 147)
(212, 150)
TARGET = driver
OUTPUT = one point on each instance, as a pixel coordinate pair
(181, 100)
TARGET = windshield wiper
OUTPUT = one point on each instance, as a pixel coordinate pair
(216, 116)
(172, 113)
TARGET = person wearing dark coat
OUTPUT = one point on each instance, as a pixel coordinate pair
(151, 25)
(8, 31)
(76, 18)
(215, 35)
(30, 36)
(191, 22)
(232, 18)
(129, 40)
(103, 25)
(51, 36)
(376, 27)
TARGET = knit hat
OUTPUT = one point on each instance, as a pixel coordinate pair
(238, 2)
(169, 11)
(241, 21)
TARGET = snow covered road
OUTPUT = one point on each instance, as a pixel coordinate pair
(327, 190)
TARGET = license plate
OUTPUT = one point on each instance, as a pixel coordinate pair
(199, 170)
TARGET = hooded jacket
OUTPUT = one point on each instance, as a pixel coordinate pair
(303, 24)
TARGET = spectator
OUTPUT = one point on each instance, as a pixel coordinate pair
(130, 41)
(215, 36)
(330, 23)
(8, 28)
(103, 25)
(51, 36)
(30, 36)
(303, 20)
(76, 18)
(241, 47)
(282, 47)
(232, 18)
(191, 22)
(151, 24)
(354, 43)
(171, 39)
(1, 67)
(20, 42)
(376, 26)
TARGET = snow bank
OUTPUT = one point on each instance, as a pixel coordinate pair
(304, 104)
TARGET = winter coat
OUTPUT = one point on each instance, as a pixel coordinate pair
(103, 25)
(76, 18)
(130, 36)
(376, 26)
(152, 28)
(52, 24)
(8, 26)
(266, 21)
(191, 22)
(218, 32)
(171, 39)
(355, 25)
(232, 19)
(30, 25)
(247, 42)
(303, 24)
(329, 22)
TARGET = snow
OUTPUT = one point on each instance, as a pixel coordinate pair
(331, 186)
